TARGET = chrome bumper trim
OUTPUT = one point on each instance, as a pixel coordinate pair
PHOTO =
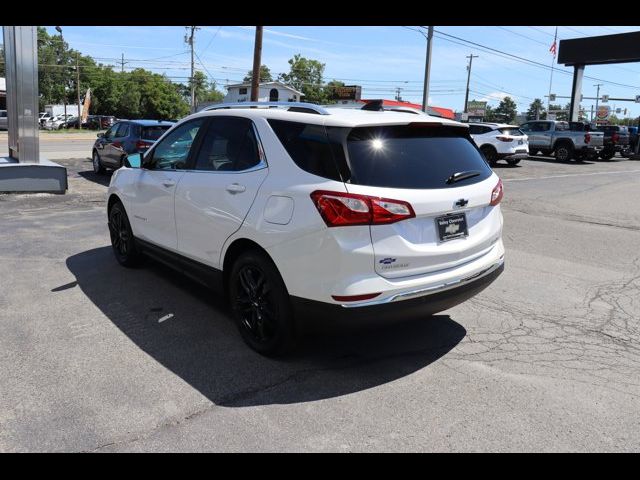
(430, 290)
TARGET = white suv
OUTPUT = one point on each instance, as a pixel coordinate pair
(499, 141)
(298, 212)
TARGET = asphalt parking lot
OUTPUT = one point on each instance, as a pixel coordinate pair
(95, 357)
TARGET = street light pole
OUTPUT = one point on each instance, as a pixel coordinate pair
(427, 71)
(597, 97)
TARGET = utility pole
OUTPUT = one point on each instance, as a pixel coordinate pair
(597, 96)
(427, 70)
(466, 96)
(398, 97)
(257, 59)
(78, 88)
(189, 39)
(122, 62)
(64, 97)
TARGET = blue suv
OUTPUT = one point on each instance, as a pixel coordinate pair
(123, 138)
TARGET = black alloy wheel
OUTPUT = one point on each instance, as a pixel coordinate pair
(122, 240)
(260, 304)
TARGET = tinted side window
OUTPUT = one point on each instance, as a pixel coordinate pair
(112, 131)
(123, 130)
(173, 151)
(525, 127)
(308, 146)
(229, 145)
(475, 129)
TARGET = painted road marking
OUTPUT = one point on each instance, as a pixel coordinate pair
(568, 175)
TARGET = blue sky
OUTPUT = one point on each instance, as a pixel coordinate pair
(380, 58)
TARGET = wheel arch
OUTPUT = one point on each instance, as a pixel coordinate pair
(233, 251)
(113, 198)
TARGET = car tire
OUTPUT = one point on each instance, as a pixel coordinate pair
(490, 154)
(513, 161)
(98, 168)
(261, 306)
(123, 242)
(606, 156)
(564, 152)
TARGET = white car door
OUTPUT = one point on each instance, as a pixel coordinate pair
(153, 203)
(215, 195)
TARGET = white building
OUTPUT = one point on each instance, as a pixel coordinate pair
(269, 92)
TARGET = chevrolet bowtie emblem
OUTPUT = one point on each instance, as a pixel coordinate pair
(462, 202)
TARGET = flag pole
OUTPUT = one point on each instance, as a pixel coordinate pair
(553, 49)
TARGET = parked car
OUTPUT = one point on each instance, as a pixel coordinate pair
(44, 118)
(56, 123)
(123, 138)
(499, 141)
(616, 139)
(555, 137)
(4, 125)
(633, 141)
(314, 213)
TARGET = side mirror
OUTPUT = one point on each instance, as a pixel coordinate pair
(133, 160)
(100, 135)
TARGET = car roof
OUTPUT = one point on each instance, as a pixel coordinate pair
(336, 116)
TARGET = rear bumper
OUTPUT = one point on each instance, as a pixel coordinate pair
(514, 156)
(314, 315)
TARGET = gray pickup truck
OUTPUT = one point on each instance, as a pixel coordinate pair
(549, 136)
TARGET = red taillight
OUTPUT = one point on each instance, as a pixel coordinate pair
(503, 138)
(496, 194)
(140, 145)
(342, 209)
(615, 137)
(354, 298)
(587, 138)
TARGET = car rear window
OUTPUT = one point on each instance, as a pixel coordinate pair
(412, 156)
(153, 133)
(404, 156)
(511, 131)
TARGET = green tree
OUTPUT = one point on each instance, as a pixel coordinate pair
(536, 107)
(329, 90)
(507, 110)
(305, 75)
(265, 75)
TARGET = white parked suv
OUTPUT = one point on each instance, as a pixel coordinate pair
(297, 212)
(499, 141)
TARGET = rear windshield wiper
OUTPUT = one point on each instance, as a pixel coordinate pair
(456, 177)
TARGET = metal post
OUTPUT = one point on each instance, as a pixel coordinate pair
(21, 57)
(427, 71)
(576, 89)
(257, 55)
(78, 89)
(466, 96)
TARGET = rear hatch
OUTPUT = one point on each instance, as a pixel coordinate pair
(148, 136)
(453, 220)
(513, 137)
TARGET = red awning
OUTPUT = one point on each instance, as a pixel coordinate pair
(445, 112)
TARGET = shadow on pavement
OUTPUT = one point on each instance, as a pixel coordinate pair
(187, 329)
(102, 179)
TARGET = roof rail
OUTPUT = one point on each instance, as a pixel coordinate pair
(294, 106)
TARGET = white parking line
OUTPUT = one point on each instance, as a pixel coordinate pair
(568, 175)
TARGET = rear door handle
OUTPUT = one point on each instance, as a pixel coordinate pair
(236, 188)
(168, 183)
